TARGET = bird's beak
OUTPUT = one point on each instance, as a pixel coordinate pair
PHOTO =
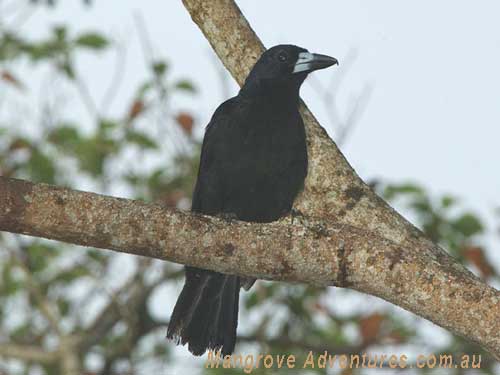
(307, 62)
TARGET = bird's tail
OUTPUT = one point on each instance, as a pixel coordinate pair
(206, 313)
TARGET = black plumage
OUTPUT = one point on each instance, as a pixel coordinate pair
(253, 163)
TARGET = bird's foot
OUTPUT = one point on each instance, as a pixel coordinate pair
(296, 215)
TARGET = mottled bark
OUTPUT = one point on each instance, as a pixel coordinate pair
(420, 278)
(346, 237)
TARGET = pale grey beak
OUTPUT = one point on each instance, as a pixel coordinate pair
(308, 62)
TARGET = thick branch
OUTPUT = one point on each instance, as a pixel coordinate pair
(305, 249)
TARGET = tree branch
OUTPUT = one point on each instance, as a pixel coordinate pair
(347, 236)
(420, 279)
(26, 353)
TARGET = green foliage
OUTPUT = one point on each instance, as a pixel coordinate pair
(159, 68)
(90, 151)
(71, 274)
(10, 283)
(438, 218)
(141, 140)
(91, 40)
(185, 85)
(58, 48)
(41, 167)
(39, 256)
(468, 225)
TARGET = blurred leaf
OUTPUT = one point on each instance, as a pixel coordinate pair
(136, 109)
(141, 140)
(9, 284)
(476, 256)
(391, 191)
(60, 33)
(71, 274)
(39, 255)
(10, 79)
(422, 204)
(11, 46)
(370, 327)
(157, 180)
(20, 143)
(144, 88)
(133, 179)
(93, 152)
(261, 293)
(159, 68)
(106, 126)
(21, 331)
(97, 255)
(67, 68)
(468, 224)
(92, 40)
(186, 121)
(66, 136)
(40, 167)
(41, 51)
(63, 306)
(447, 201)
(185, 85)
(252, 300)
(160, 349)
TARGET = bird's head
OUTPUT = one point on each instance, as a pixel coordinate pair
(286, 65)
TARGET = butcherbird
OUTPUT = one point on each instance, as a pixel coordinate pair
(252, 166)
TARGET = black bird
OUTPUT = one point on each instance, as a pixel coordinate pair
(253, 163)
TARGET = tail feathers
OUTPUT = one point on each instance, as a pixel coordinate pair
(206, 313)
(228, 315)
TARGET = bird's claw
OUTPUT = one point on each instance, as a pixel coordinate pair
(295, 214)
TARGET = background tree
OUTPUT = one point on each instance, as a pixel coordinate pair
(64, 312)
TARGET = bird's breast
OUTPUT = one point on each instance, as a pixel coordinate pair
(272, 145)
(268, 168)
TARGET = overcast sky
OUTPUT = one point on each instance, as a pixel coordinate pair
(433, 116)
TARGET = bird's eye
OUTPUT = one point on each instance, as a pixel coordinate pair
(282, 56)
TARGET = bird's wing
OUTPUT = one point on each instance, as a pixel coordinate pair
(216, 151)
(217, 160)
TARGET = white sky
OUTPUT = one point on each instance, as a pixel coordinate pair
(433, 117)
